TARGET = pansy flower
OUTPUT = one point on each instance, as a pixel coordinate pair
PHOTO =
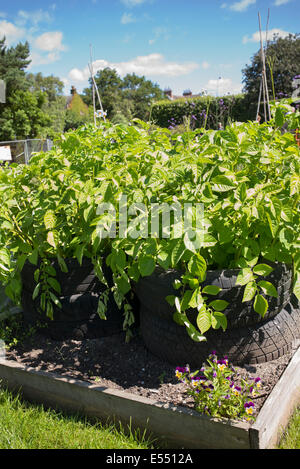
(249, 406)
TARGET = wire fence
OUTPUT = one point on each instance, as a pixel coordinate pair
(20, 151)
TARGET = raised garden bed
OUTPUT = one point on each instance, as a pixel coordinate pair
(108, 379)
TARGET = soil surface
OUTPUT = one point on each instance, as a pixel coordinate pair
(112, 363)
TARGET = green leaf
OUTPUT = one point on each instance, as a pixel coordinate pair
(171, 300)
(197, 266)
(218, 320)
(33, 258)
(79, 253)
(245, 276)
(196, 300)
(222, 184)
(262, 269)
(163, 259)
(123, 283)
(177, 304)
(49, 310)
(36, 275)
(36, 291)
(49, 220)
(296, 287)
(203, 320)
(52, 238)
(177, 284)
(146, 265)
(177, 252)
(219, 305)
(54, 284)
(211, 290)
(260, 305)
(179, 318)
(249, 292)
(62, 264)
(101, 310)
(193, 333)
(186, 300)
(268, 288)
(55, 300)
(279, 117)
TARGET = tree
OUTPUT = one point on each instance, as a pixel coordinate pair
(13, 62)
(23, 116)
(123, 98)
(109, 85)
(50, 85)
(141, 92)
(282, 64)
(54, 104)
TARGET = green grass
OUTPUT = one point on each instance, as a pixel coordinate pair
(28, 426)
(291, 435)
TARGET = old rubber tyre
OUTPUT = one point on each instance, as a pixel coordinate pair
(79, 278)
(78, 317)
(256, 344)
(152, 291)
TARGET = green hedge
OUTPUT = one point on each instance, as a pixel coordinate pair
(172, 113)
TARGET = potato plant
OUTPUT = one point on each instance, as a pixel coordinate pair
(102, 193)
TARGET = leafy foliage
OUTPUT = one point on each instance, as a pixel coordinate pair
(128, 98)
(34, 107)
(204, 111)
(218, 392)
(70, 202)
(282, 63)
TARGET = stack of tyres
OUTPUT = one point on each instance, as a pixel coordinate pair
(80, 293)
(249, 338)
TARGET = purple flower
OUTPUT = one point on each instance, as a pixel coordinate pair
(194, 117)
(248, 404)
(296, 76)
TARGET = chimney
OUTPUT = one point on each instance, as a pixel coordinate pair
(73, 90)
(168, 93)
(187, 93)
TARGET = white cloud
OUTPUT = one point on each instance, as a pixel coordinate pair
(222, 86)
(127, 18)
(278, 3)
(242, 5)
(34, 17)
(205, 65)
(11, 32)
(50, 41)
(159, 32)
(256, 36)
(39, 59)
(132, 3)
(152, 64)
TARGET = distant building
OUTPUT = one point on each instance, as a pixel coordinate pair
(186, 94)
(75, 103)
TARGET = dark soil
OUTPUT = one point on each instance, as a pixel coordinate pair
(112, 363)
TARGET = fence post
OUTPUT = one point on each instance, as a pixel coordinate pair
(26, 154)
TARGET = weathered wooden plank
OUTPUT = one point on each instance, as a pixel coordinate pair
(175, 426)
(277, 409)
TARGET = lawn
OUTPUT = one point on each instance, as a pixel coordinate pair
(28, 426)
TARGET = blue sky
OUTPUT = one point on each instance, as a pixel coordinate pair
(179, 44)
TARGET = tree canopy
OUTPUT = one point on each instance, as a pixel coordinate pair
(282, 64)
(123, 98)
